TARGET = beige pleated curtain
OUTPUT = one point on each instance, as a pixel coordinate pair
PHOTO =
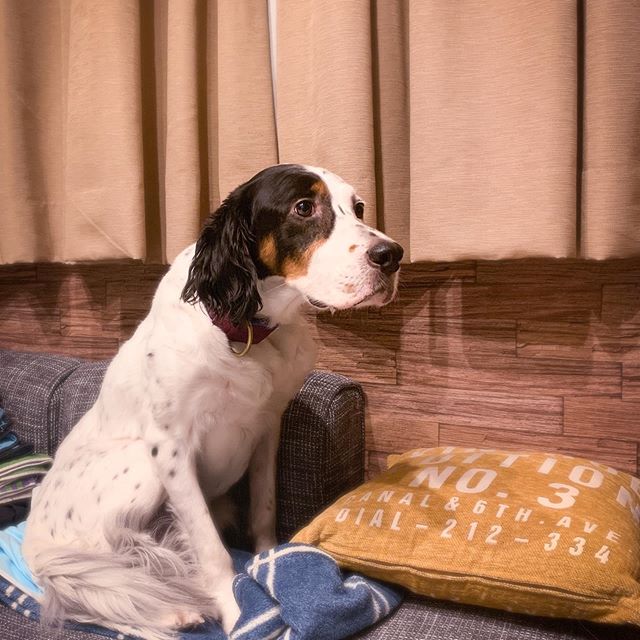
(494, 129)
(123, 122)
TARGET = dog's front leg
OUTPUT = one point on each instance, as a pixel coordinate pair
(262, 482)
(177, 471)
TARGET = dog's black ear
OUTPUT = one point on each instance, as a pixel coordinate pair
(222, 275)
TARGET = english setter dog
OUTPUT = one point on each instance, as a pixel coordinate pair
(193, 400)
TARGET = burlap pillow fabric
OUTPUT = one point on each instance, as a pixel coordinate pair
(534, 533)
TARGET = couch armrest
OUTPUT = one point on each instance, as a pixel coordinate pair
(30, 385)
(321, 450)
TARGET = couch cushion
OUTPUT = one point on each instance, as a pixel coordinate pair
(419, 618)
(14, 625)
(76, 396)
(28, 384)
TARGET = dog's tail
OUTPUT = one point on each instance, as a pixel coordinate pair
(141, 587)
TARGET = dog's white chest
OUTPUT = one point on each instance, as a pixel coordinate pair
(225, 455)
(227, 442)
(250, 403)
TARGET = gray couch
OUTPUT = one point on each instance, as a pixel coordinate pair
(321, 456)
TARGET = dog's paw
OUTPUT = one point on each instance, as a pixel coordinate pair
(180, 619)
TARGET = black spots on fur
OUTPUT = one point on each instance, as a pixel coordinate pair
(150, 354)
(99, 498)
(137, 486)
(115, 477)
(52, 532)
(165, 427)
(172, 473)
(125, 470)
(154, 451)
(174, 453)
(46, 504)
(70, 513)
(132, 500)
(94, 487)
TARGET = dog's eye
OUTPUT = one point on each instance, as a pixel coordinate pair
(358, 209)
(304, 208)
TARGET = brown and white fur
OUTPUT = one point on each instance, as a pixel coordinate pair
(180, 418)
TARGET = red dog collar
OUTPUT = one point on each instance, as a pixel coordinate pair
(249, 333)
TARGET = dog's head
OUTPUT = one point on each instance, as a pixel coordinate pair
(299, 223)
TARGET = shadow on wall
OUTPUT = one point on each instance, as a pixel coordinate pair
(523, 353)
(540, 354)
(85, 310)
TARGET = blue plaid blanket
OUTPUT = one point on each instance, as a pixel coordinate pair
(291, 592)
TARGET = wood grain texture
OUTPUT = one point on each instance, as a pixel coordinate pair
(535, 354)
(375, 463)
(558, 272)
(602, 418)
(590, 342)
(616, 453)
(470, 408)
(621, 304)
(631, 382)
(395, 433)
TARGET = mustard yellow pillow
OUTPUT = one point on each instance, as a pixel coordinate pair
(536, 533)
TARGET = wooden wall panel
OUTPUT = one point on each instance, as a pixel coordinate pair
(631, 382)
(519, 354)
(616, 453)
(602, 418)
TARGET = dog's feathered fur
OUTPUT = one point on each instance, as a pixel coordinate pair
(180, 418)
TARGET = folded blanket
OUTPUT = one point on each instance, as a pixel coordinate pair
(297, 592)
(20, 475)
(291, 592)
(4, 420)
(20, 469)
(8, 441)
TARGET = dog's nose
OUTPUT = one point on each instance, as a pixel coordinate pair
(386, 255)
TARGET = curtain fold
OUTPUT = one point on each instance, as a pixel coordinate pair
(122, 123)
(69, 131)
(324, 89)
(493, 129)
(611, 175)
